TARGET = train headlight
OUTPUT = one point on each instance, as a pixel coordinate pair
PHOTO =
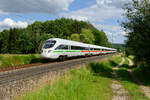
(49, 51)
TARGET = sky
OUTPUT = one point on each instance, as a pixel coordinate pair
(105, 15)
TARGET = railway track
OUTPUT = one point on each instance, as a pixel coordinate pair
(15, 75)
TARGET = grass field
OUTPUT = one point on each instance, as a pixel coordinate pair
(92, 82)
(7, 60)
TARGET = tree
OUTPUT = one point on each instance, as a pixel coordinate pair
(137, 27)
(13, 43)
(26, 43)
(5, 41)
(87, 36)
(75, 37)
(100, 38)
(1, 38)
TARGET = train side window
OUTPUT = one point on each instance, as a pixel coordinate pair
(96, 49)
(86, 48)
(77, 48)
(90, 48)
(82, 48)
(65, 47)
(73, 48)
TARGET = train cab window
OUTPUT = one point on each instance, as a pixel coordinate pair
(64, 47)
(49, 44)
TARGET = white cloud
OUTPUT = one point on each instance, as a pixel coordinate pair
(114, 32)
(112, 28)
(116, 37)
(9, 23)
(96, 14)
(80, 18)
(1, 12)
(114, 3)
(122, 33)
(111, 35)
(34, 6)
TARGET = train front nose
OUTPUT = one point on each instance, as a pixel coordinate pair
(44, 53)
(48, 54)
(47, 49)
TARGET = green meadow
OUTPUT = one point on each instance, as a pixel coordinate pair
(7, 60)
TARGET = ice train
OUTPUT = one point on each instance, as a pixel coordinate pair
(56, 48)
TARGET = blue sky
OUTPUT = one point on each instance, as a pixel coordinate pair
(80, 4)
(103, 14)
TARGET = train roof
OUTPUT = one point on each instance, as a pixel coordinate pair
(74, 43)
(69, 42)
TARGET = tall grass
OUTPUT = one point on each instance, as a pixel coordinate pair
(7, 60)
(142, 75)
(141, 72)
(92, 82)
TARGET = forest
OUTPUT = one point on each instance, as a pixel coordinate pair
(31, 39)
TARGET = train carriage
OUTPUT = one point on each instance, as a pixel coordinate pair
(56, 48)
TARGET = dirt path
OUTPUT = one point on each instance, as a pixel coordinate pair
(145, 89)
(130, 63)
(119, 92)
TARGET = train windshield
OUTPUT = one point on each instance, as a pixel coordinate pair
(49, 44)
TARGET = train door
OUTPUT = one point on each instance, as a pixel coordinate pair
(69, 53)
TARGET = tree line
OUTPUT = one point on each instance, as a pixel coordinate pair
(137, 27)
(31, 39)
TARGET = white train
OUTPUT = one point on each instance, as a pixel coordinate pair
(56, 48)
